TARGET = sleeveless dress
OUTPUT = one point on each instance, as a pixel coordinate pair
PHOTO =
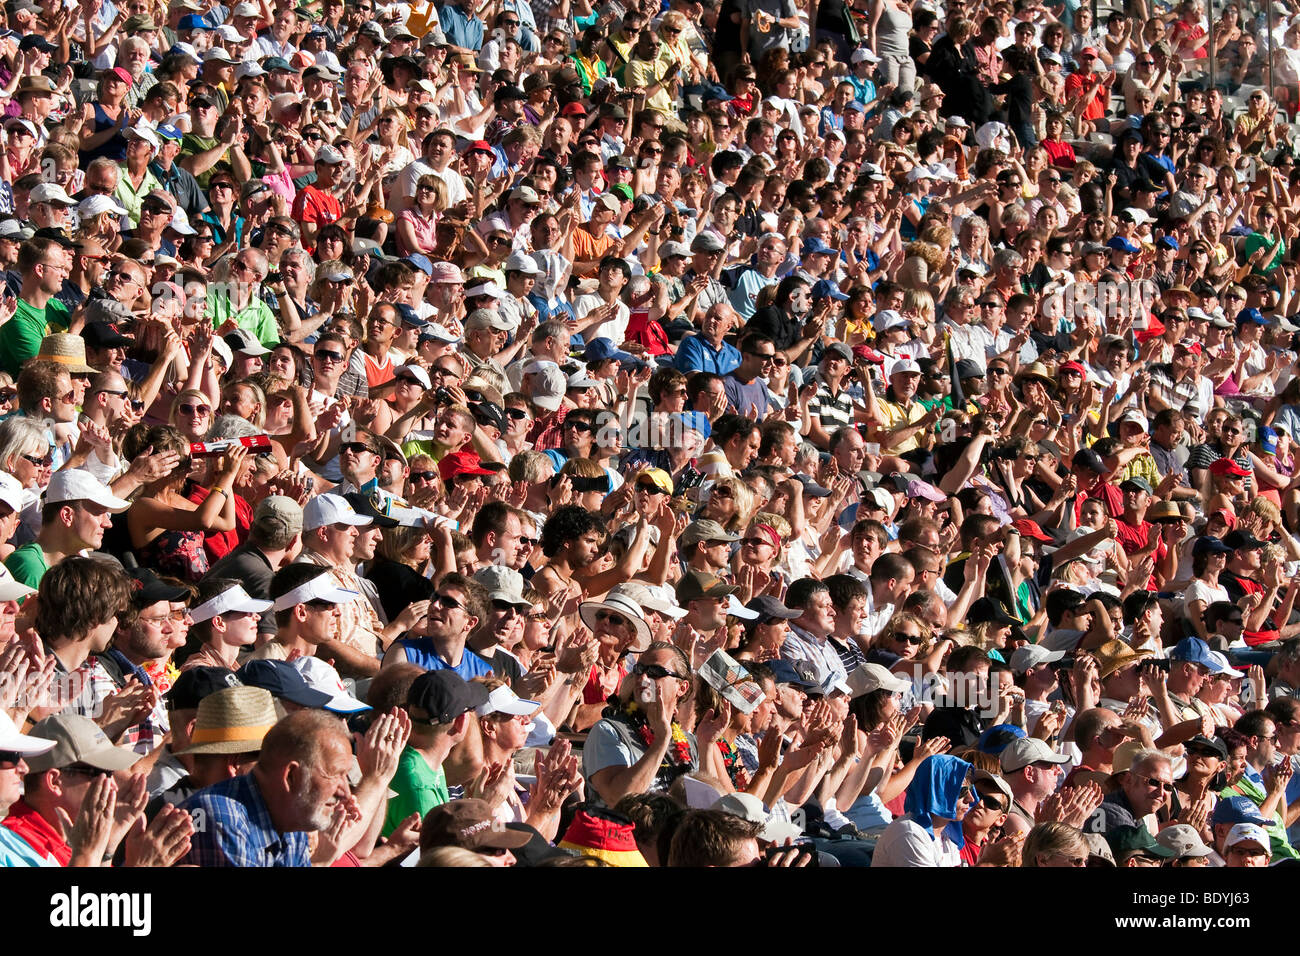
(114, 148)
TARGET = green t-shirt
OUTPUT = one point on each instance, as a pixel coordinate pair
(256, 317)
(20, 337)
(418, 786)
(192, 145)
(1258, 240)
(27, 564)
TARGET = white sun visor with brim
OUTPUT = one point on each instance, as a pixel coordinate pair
(503, 700)
(231, 601)
(73, 484)
(320, 588)
(20, 743)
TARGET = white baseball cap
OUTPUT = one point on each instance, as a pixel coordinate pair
(320, 588)
(905, 366)
(331, 509)
(503, 700)
(417, 373)
(230, 601)
(97, 204)
(887, 319)
(1031, 655)
(322, 676)
(736, 609)
(73, 484)
(872, 677)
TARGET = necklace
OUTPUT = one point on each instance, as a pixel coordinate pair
(678, 754)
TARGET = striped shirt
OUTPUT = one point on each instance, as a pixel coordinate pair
(1174, 394)
(834, 411)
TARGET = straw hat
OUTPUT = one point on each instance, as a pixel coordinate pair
(1036, 370)
(232, 721)
(1116, 655)
(67, 350)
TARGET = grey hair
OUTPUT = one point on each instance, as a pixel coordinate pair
(638, 285)
(231, 426)
(1007, 258)
(1016, 214)
(20, 435)
(1149, 759)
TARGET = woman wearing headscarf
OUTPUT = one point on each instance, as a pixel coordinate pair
(929, 832)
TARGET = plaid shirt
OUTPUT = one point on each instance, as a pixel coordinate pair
(233, 827)
(97, 684)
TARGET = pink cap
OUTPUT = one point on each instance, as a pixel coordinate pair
(122, 74)
(446, 272)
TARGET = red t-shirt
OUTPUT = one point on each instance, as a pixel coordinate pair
(1107, 493)
(33, 828)
(1134, 538)
(315, 205)
(1096, 107)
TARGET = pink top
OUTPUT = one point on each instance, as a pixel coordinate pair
(424, 231)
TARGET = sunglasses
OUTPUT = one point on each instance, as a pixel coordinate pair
(902, 637)
(1158, 784)
(650, 488)
(518, 414)
(357, 448)
(447, 603)
(424, 476)
(406, 380)
(756, 542)
(654, 672)
(992, 802)
(505, 607)
(329, 357)
(45, 462)
(579, 426)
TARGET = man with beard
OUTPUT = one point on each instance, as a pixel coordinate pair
(263, 818)
(570, 541)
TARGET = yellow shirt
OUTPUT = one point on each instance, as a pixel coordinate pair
(893, 415)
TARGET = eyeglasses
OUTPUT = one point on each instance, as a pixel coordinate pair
(447, 603)
(654, 672)
(45, 462)
(1157, 783)
(177, 616)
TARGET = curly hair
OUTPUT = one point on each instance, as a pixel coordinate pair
(567, 523)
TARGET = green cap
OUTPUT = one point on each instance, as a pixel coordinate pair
(1127, 840)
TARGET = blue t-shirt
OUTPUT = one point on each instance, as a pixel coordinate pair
(421, 652)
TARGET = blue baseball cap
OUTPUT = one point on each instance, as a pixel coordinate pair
(603, 349)
(409, 316)
(421, 262)
(168, 131)
(1121, 244)
(824, 288)
(783, 672)
(697, 421)
(1169, 242)
(282, 679)
(195, 21)
(814, 246)
(1268, 439)
(1210, 545)
(1236, 810)
(1193, 649)
(1251, 315)
(994, 740)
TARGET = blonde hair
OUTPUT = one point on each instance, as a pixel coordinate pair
(919, 302)
(742, 496)
(394, 543)
(451, 856)
(778, 523)
(1048, 839)
(582, 468)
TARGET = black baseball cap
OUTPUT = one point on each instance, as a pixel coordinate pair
(1087, 458)
(768, 606)
(783, 672)
(198, 682)
(444, 695)
(986, 609)
(282, 680)
(1242, 540)
(147, 588)
(104, 335)
(363, 505)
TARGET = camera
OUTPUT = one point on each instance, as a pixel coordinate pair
(442, 396)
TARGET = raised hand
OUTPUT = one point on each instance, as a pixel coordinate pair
(163, 842)
(380, 749)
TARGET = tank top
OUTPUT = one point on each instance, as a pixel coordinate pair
(891, 30)
(114, 148)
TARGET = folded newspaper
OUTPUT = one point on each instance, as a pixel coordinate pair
(725, 675)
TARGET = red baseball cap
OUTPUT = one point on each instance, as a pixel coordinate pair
(1088, 51)
(1030, 529)
(121, 74)
(1071, 367)
(574, 109)
(461, 463)
(480, 146)
(1226, 466)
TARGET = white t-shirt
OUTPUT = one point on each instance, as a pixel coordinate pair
(904, 843)
(614, 329)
